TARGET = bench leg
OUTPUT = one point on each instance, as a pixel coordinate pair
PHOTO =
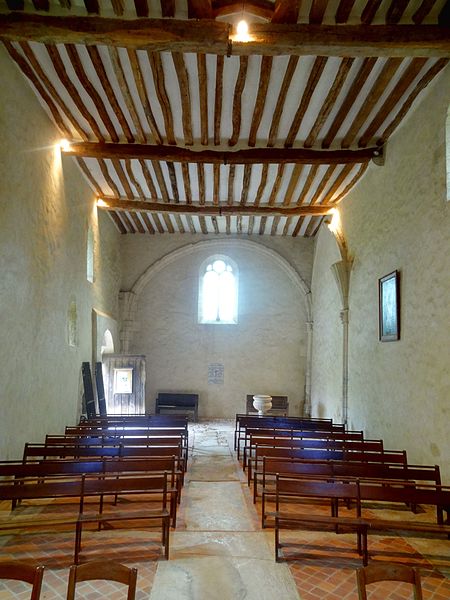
(277, 539)
(363, 541)
(78, 531)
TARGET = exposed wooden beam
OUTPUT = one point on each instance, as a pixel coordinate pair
(313, 80)
(369, 11)
(123, 204)
(317, 11)
(47, 91)
(141, 7)
(286, 11)
(264, 79)
(160, 87)
(200, 9)
(203, 96)
(185, 95)
(329, 102)
(168, 8)
(343, 11)
(289, 73)
(92, 7)
(101, 74)
(211, 36)
(423, 10)
(237, 100)
(349, 100)
(218, 100)
(237, 157)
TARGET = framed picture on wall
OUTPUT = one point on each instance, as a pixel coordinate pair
(389, 307)
(123, 381)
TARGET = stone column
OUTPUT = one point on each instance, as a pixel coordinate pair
(307, 402)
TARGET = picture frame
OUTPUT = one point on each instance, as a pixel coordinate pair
(389, 307)
(123, 381)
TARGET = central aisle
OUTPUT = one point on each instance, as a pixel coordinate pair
(218, 550)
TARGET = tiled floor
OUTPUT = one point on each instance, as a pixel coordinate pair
(219, 550)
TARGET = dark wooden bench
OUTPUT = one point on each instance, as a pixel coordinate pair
(87, 486)
(292, 468)
(295, 489)
(291, 490)
(292, 433)
(122, 421)
(38, 470)
(123, 441)
(344, 446)
(41, 451)
(313, 454)
(280, 406)
(179, 403)
(278, 422)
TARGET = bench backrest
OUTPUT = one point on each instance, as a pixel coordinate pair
(326, 444)
(388, 456)
(43, 451)
(112, 441)
(173, 399)
(316, 488)
(132, 432)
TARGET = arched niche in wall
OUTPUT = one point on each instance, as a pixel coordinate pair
(273, 276)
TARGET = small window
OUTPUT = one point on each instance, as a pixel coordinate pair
(218, 291)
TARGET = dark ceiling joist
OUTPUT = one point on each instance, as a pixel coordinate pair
(209, 36)
(122, 204)
(200, 9)
(237, 157)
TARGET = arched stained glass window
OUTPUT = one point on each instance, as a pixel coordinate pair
(218, 291)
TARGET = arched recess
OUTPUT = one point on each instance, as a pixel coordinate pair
(129, 299)
(107, 346)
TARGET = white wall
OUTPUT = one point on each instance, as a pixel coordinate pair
(264, 353)
(45, 210)
(396, 218)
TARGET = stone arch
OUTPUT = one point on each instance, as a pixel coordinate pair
(129, 299)
(107, 346)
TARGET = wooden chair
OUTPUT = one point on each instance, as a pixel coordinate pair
(100, 569)
(24, 572)
(388, 572)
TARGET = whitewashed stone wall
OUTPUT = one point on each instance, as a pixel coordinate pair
(264, 353)
(327, 331)
(396, 218)
(45, 210)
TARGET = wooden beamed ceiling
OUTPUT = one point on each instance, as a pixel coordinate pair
(179, 128)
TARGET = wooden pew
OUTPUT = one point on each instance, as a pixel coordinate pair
(291, 490)
(244, 421)
(87, 486)
(295, 489)
(43, 452)
(257, 441)
(104, 441)
(64, 468)
(295, 433)
(293, 467)
(384, 456)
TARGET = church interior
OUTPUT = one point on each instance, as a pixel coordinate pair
(227, 214)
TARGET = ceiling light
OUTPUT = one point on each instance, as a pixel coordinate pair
(101, 203)
(242, 32)
(64, 145)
